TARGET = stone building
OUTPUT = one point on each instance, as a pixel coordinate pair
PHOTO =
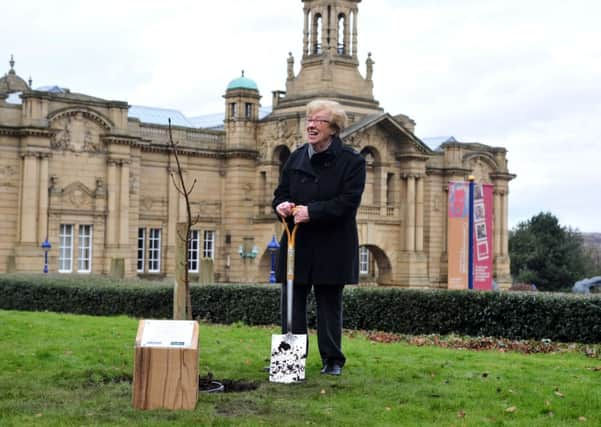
(92, 176)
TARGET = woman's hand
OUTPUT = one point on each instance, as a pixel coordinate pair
(301, 214)
(285, 209)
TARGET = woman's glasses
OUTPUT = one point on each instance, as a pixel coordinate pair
(318, 121)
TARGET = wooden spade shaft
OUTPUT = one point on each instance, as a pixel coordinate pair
(289, 273)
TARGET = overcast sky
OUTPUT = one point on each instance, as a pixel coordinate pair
(521, 74)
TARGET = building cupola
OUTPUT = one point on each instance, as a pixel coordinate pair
(242, 100)
(11, 82)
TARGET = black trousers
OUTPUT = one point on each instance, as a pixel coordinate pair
(329, 318)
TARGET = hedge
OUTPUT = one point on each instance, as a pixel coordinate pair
(515, 315)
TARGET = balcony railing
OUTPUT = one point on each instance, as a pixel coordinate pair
(377, 212)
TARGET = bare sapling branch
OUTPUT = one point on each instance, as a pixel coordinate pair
(180, 185)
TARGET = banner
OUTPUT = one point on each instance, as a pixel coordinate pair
(482, 245)
(457, 237)
(460, 249)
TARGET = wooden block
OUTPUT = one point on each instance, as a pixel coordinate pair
(165, 377)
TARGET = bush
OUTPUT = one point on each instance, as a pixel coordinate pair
(515, 315)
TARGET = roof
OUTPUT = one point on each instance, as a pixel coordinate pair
(434, 142)
(388, 122)
(242, 83)
(215, 120)
(159, 116)
(11, 82)
(53, 89)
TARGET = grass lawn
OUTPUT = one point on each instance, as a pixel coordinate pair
(61, 369)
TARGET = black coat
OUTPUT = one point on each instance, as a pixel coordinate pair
(330, 184)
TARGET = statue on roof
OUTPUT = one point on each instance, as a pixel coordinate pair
(369, 67)
(290, 66)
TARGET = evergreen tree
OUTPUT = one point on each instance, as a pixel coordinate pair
(546, 254)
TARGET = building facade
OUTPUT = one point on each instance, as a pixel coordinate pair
(94, 180)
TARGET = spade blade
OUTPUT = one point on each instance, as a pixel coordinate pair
(288, 358)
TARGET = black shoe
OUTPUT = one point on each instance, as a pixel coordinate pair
(332, 369)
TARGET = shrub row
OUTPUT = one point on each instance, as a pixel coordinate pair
(515, 315)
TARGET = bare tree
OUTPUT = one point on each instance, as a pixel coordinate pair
(183, 233)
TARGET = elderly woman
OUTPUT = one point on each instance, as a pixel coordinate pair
(320, 188)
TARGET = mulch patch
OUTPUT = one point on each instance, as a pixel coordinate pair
(485, 343)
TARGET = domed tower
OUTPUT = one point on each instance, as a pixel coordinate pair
(239, 176)
(241, 112)
(11, 82)
(329, 64)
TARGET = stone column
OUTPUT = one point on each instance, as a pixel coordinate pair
(172, 207)
(124, 203)
(382, 191)
(324, 31)
(306, 34)
(354, 52)
(410, 215)
(182, 215)
(498, 215)
(347, 34)
(419, 215)
(445, 217)
(43, 199)
(504, 225)
(29, 198)
(111, 188)
(333, 30)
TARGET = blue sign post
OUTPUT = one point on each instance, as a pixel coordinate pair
(46, 246)
(272, 247)
(470, 239)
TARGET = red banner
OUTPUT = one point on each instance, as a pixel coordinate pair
(458, 236)
(482, 245)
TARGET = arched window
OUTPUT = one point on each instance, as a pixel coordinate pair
(316, 34)
(281, 155)
(350, 48)
(369, 156)
(342, 42)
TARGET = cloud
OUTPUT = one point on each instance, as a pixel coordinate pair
(519, 74)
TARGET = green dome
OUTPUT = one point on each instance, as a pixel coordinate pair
(242, 83)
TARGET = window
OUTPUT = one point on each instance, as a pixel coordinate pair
(193, 252)
(84, 258)
(248, 110)
(141, 249)
(154, 250)
(341, 34)
(232, 110)
(363, 260)
(65, 248)
(208, 245)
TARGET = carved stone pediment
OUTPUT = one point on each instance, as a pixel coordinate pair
(482, 165)
(77, 196)
(78, 131)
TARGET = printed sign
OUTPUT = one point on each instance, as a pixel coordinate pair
(458, 245)
(168, 333)
(482, 245)
(457, 240)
